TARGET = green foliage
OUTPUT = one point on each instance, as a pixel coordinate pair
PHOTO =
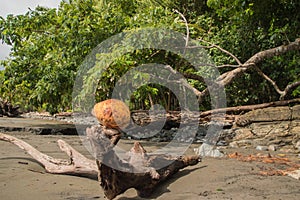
(248, 27)
(48, 46)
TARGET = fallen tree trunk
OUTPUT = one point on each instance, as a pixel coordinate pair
(249, 107)
(140, 171)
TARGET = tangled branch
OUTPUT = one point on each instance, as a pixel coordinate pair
(252, 63)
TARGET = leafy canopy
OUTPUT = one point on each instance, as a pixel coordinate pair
(48, 46)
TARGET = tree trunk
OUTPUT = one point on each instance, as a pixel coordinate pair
(140, 170)
(239, 109)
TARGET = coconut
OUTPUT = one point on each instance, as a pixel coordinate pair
(112, 113)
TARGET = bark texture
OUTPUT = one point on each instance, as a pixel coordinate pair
(139, 171)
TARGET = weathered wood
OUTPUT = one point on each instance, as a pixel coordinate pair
(239, 109)
(77, 164)
(138, 171)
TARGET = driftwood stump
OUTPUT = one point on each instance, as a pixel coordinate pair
(139, 171)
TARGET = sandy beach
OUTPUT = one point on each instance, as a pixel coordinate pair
(21, 177)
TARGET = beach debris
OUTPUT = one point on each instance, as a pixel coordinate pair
(272, 147)
(262, 148)
(281, 166)
(294, 174)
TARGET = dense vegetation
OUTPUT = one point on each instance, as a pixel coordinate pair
(48, 46)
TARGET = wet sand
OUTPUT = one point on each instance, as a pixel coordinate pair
(23, 178)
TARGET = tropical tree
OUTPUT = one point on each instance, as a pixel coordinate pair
(49, 45)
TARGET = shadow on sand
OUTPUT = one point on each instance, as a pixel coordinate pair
(163, 187)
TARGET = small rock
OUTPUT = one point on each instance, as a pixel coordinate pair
(272, 147)
(295, 174)
(262, 148)
(241, 143)
(207, 150)
(297, 146)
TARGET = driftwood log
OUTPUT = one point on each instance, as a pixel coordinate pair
(77, 164)
(246, 108)
(139, 170)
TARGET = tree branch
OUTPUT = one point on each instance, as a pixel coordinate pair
(194, 77)
(223, 50)
(227, 65)
(140, 171)
(257, 58)
(249, 107)
(288, 88)
(260, 56)
(183, 81)
(77, 165)
(282, 93)
(227, 77)
(270, 80)
(187, 27)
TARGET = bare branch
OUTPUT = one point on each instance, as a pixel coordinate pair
(77, 164)
(260, 56)
(288, 88)
(282, 93)
(223, 50)
(227, 77)
(194, 77)
(140, 171)
(227, 65)
(183, 81)
(257, 58)
(270, 80)
(187, 27)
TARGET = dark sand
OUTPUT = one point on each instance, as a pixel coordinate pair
(23, 178)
